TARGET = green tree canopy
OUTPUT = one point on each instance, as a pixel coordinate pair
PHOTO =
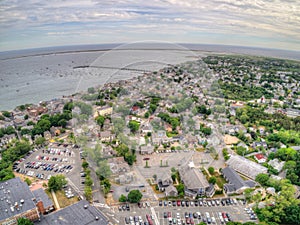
(57, 182)
(24, 221)
(134, 196)
(212, 180)
(122, 198)
(134, 126)
(262, 178)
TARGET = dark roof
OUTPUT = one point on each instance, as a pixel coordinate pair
(40, 195)
(234, 179)
(13, 192)
(80, 213)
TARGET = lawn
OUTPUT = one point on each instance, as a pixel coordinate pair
(63, 201)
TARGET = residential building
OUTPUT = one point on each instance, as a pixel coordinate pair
(164, 180)
(235, 185)
(171, 191)
(103, 111)
(146, 149)
(260, 158)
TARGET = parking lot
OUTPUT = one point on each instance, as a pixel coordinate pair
(55, 159)
(180, 212)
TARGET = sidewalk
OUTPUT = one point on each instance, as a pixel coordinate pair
(55, 200)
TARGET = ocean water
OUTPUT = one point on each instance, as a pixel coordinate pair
(31, 76)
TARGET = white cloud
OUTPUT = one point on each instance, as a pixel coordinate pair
(260, 18)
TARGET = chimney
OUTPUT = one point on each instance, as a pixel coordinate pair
(40, 207)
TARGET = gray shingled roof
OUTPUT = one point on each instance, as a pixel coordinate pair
(75, 214)
(233, 178)
(192, 178)
(11, 192)
(235, 182)
(40, 194)
(245, 166)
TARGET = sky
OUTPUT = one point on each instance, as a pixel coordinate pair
(44, 23)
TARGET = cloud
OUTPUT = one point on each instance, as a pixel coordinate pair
(180, 20)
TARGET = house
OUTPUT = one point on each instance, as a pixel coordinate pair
(77, 214)
(103, 111)
(245, 166)
(235, 185)
(118, 165)
(54, 131)
(47, 135)
(16, 201)
(171, 191)
(260, 158)
(276, 164)
(293, 113)
(259, 144)
(146, 128)
(106, 136)
(164, 180)
(43, 202)
(160, 137)
(146, 149)
(194, 181)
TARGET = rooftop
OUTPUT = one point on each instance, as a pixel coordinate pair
(15, 198)
(192, 178)
(40, 195)
(80, 213)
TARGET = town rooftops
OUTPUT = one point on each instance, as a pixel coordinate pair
(80, 213)
(15, 198)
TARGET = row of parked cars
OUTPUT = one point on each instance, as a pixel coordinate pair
(251, 213)
(49, 167)
(58, 151)
(47, 158)
(189, 218)
(187, 203)
(138, 220)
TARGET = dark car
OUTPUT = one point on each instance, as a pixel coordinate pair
(165, 215)
(160, 203)
(187, 203)
(174, 203)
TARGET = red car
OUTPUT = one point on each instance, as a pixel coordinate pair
(178, 203)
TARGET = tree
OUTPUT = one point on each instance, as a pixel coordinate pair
(134, 126)
(262, 178)
(211, 170)
(134, 196)
(88, 193)
(100, 120)
(85, 165)
(212, 180)
(24, 221)
(248, 193)
(39, 141)
(122, 198)
(28, 181)
(57, 182)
